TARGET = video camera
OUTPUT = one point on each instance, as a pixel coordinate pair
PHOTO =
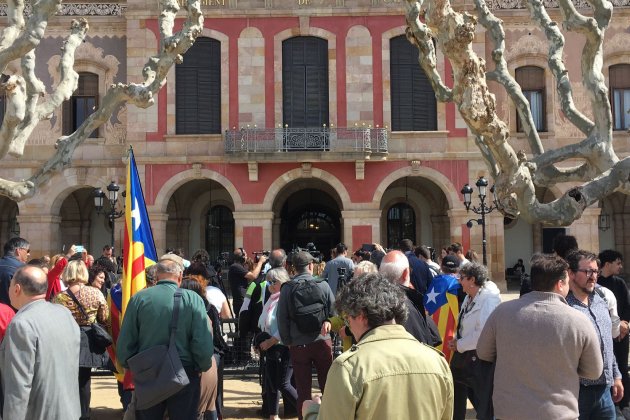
(257, 254)
(310, 248)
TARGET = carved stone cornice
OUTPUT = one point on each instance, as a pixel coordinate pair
(552, 4)
(79, 9)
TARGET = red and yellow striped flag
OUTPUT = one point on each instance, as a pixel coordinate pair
(139, 248)
(441, 303)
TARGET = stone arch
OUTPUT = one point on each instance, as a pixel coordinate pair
(168, 189)
(70, 180)
(446, 186)
(295, 174)
(332, 67)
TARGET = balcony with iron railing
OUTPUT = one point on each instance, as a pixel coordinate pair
(363, 140)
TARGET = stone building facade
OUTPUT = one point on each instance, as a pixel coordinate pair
(298, 121)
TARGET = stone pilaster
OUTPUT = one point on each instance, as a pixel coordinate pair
(158, 226)
(264, 219)
(42, 231)
(353, 218)
(586, 230)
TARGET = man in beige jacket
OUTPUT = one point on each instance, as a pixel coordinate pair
(388, 374)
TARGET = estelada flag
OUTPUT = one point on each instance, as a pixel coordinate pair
(139, 248)
(441, 303)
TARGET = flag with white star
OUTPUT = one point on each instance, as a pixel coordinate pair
(441, 303)
(139, 248)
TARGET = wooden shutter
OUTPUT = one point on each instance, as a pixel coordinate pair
(305, 82)
(532, 79)
(85, 96)
(414, 107)
(198, 85)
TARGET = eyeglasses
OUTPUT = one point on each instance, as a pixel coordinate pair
(272, 282)
(588, 272)
(28, 250)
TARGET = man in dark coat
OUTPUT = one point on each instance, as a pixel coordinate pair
(16, 254)
(611, 265)
(395, 268)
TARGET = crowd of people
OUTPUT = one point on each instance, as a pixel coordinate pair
(560, 351)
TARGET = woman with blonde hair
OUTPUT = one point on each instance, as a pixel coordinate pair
(87, 305)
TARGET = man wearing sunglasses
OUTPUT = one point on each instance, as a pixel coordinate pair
(597, 396)
(16, 253)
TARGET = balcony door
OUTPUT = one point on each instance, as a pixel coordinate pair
(305, 93)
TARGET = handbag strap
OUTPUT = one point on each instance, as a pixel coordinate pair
(177, 300)
(74, 298)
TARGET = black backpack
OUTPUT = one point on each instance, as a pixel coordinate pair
(308, 307)
(220, 346)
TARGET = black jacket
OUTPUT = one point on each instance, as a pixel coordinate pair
(418, 324)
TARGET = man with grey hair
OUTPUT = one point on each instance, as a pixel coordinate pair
(395, 268)
(39, 356)
(277, 258)
(16, 254)
(146, 324)
(381, 376)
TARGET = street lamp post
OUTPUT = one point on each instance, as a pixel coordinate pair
(112, 214)
(482, 209)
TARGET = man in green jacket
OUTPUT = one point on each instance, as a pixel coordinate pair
(388, 374)
(146, 324)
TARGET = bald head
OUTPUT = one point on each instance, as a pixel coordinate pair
(29, 283)
(395, 268)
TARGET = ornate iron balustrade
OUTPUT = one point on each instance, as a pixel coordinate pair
(324, 139)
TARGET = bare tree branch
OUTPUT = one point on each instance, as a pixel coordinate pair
(501, 75)
(419, 35)
(32, 34)
(141, 95)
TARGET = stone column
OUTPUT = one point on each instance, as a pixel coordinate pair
(586, 230)
(158, 226)
(275, 236)
(43, 233)
(495, 240)
(262, 219)
(351, 218)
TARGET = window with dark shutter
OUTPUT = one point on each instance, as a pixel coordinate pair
(532, 82)
(305, 82)
(198, 85)
(414, 105)
(620, 94)
(82, 103)
(219, 231)
(401, 224)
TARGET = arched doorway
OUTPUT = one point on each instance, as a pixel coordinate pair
(308, 212)
(414, 208)
(200, 217)
(76, 227)
(9, 226)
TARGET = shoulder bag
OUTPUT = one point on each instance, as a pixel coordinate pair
(98, 336)
(158, 372)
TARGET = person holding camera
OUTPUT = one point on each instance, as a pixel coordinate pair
(278, 370)
(332, 271)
